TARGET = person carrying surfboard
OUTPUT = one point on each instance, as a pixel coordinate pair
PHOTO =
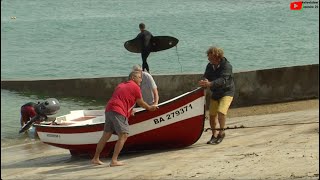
(145, 37)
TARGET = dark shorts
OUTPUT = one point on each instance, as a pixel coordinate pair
(116, 122)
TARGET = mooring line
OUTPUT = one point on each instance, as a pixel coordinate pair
(242, 126)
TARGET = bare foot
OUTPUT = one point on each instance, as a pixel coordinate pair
(117, 163)
(96, 162)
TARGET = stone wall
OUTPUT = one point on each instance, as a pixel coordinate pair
(252, 87)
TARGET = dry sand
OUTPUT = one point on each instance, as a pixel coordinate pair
(275, 152)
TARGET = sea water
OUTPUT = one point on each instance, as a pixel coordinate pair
(45, 39)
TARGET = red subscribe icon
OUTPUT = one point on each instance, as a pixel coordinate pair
(297, 5)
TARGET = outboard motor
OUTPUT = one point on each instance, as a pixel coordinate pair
(48, 107)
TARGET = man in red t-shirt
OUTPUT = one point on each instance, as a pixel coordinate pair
(118, 110)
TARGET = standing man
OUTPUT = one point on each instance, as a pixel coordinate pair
(145, 37)
(219, 78)
(118, 110)
(148, 87)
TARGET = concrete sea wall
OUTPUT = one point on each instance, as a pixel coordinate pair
(252, 87)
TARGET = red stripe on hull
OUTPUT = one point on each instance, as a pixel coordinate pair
(176, 135)
(71, 129)
(139, 116)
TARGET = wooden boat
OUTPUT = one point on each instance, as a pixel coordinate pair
(177, 123)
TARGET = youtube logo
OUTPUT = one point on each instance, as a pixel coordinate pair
(297, 5)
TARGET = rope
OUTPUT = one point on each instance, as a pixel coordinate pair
(242, 127)
(178, 58)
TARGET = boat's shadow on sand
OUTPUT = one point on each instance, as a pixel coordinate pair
(64, 163)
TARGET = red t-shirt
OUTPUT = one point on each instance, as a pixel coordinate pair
(124, 98)
(27, 112)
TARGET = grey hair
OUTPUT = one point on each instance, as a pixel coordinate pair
(137, 68)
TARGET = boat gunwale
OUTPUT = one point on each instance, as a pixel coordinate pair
(78, 125)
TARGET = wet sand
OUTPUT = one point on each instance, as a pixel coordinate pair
(276, 151)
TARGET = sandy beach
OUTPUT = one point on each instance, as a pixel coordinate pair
(286, 147)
